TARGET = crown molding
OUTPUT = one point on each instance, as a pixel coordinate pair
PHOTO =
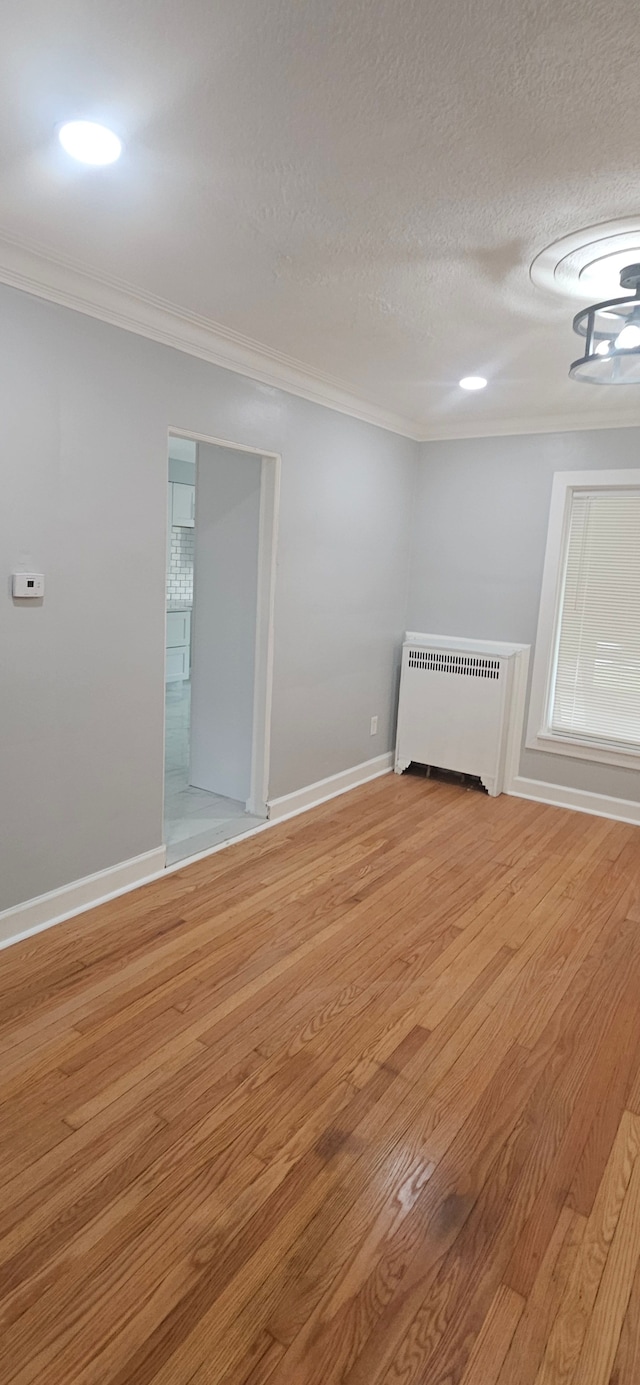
(113, 301)
(62, 281)
(516, 427)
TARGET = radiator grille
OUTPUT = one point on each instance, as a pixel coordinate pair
(467, 665)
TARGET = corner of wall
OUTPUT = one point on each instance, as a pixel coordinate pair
(418, 457)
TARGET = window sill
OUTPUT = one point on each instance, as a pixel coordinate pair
(553, 744)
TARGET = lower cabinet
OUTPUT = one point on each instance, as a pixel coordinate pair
(177, 665)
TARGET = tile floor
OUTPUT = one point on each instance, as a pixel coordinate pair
(193, 819)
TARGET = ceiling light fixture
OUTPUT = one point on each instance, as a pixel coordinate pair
(472, 382)
(90, 143)
(612, 333)
(586, 264)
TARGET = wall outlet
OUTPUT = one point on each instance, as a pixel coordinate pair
(374, 727)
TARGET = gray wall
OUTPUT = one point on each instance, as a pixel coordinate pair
(223, 642)
(85, 409)
(479, 537)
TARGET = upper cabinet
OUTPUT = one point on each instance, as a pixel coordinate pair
(183, 504)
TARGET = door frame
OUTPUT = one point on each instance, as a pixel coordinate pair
(258, 800)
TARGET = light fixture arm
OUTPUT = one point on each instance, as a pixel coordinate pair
(630, 278)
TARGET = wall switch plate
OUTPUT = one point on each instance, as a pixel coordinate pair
(374, 726)
(27, 584)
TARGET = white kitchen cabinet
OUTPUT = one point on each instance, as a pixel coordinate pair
(177, 665)
(183, 504)
(178, 646)
(178, 628)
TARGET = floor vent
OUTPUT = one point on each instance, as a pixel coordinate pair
(447, 776)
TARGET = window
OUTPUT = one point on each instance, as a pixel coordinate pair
(585, 697)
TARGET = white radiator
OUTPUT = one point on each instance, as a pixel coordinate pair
(455, 703)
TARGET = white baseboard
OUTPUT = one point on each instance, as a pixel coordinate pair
(46, 909)
(600, 804)
(301, 799)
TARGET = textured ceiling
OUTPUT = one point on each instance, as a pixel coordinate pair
(358, 184)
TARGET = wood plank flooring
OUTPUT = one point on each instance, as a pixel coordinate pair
(357, 1100)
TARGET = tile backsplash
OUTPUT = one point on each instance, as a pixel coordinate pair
(180, 570)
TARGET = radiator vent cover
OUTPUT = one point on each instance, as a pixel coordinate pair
(467, 665)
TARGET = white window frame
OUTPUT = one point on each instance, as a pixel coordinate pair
(539, 735)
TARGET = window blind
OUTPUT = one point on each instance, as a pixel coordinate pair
(595, 691)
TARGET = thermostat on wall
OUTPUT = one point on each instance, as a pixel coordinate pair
(26, 584)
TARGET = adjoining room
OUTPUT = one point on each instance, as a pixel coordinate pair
(212, 674)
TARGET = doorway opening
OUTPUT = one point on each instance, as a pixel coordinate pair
(221, 547)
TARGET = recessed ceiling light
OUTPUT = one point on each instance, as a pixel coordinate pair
(90, 143)
(472, 382)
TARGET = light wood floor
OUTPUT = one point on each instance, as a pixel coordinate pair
(357, 1100)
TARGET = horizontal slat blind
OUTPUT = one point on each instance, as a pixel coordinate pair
(596, 687)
